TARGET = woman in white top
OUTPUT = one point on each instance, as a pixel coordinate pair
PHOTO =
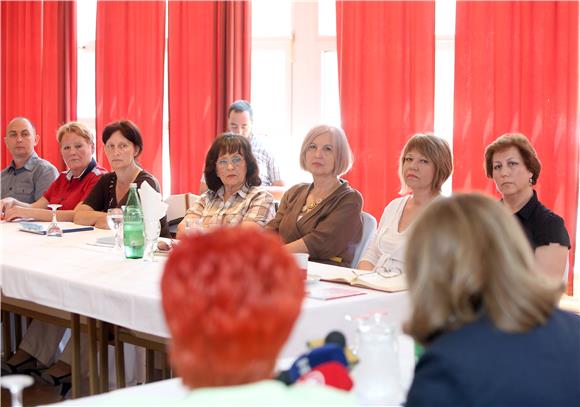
(424, 166)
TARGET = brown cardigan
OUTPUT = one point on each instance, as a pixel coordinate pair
(331, 230)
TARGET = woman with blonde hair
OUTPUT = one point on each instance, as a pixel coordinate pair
(424, 165)
(513, 164)
(488, 319)
(322, 218)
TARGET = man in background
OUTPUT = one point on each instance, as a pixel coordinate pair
(240, 121)
(28, 176)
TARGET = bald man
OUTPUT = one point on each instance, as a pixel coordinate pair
(28, 176)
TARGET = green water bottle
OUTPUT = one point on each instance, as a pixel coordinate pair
(133, 226)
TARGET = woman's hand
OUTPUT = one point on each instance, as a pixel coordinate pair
(14, 212)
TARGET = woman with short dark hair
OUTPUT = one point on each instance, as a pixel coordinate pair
(123, 144)
(513, 164)
(234, 195)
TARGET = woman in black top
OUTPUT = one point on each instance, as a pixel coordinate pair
(513, 164)
(123, 144)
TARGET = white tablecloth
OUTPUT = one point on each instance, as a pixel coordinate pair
(68, 274)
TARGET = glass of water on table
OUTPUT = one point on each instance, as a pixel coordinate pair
(115, 223)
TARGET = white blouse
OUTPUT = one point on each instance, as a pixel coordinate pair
(389, 243)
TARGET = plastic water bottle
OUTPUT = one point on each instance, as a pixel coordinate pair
(133, 226)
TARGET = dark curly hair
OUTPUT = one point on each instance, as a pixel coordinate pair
(229, 143)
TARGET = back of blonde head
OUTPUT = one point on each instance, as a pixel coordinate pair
(467, 255)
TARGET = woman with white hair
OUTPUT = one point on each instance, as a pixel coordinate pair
(322, 218)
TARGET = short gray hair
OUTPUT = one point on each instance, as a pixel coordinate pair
(343, 158)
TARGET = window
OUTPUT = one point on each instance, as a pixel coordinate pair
(294, 75)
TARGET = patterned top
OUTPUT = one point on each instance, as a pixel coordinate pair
(249, 204)
(269, 171)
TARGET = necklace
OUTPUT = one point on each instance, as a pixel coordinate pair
(309, 206)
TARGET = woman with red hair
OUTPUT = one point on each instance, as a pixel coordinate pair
(230, 299)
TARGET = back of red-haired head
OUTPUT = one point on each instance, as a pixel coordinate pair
(230, 299)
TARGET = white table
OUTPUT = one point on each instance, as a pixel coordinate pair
(68, 274)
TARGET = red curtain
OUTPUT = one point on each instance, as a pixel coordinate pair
(39, 69)
(516, 69)
(209, 49)
(130, 48)
(386, 67)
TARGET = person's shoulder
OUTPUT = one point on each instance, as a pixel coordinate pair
(295, 189)
(42, 163)
(270, 392)
(565, 322)
(396, 203)
(145, 175)
(99, 171)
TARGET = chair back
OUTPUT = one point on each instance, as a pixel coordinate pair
(178, 206)
(369, 228)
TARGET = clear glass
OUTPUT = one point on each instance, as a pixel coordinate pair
(16, 383)
(115, 222)
(152, 230)
(377, 375)
(54, 229)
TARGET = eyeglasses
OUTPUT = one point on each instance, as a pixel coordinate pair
(390, 268)
(234, 161)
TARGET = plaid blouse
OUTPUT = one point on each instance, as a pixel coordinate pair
(248, 204)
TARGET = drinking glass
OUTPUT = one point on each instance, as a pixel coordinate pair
(115, 222)
(16, 383)
(54, 228)
(152, 230)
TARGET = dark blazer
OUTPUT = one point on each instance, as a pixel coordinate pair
(479, 365)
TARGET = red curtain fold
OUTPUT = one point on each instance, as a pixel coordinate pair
(386, 67)
(39, 69)
(516, 70)
(209, 48)
(130, 49)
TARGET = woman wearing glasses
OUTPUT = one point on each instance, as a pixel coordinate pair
(234, 195)
(323, 218)
(424, 166)
(123, 144)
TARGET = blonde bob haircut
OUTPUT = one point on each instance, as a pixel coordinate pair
(436, 150)
(77, 128)
(343, 157)
(525, 148)
(469, 256)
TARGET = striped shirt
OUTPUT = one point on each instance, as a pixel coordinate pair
(248, 204)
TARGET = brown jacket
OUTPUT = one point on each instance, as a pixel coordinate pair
(331, 230)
